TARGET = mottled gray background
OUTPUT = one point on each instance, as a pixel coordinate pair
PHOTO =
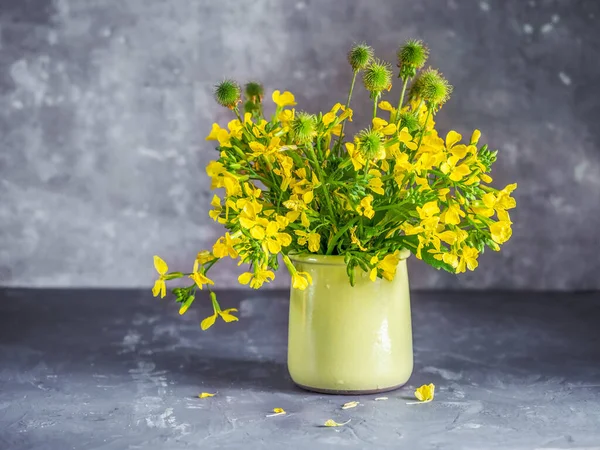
(104, 107)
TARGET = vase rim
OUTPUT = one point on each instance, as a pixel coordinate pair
(332, 260)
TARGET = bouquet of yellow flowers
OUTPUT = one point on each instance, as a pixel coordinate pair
(296, 183)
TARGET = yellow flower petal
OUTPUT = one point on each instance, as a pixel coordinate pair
(350, 405)
(425, 393)
(160, 266)
(452, 138)
(208, 322)
(285, 99)
(386, 106)
(205, 395)
(333, 423)
(160, 288)
(245, 278)
(227, 317)
(277, 412)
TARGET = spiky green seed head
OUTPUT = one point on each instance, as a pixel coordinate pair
(250, 107)
(370, 143)
(432, 87)
(435, 89)
(377, 76)
(228, 93)
(254, 89)
(413, 53)
(360, 56)
(408, 120)
(304, 127)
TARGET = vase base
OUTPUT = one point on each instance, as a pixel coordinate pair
(349, 391)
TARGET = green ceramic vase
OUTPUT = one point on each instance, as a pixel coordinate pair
(349, 340)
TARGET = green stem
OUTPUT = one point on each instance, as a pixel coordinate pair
(423, 132)
(338, 144)
(401, 100)
(237, 113)
(338, 235)
(375, 105)
(317, 168)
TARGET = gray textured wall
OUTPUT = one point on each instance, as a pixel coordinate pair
(104, 107)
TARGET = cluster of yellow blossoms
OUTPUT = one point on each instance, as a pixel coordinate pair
(297, 184)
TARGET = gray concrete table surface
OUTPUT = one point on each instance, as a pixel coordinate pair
(93, 369)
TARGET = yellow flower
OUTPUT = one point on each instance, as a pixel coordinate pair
(504, 201)
(453, 214)
(199, 278)
(405, 137)
(383, 126)
(387, 265)
(286, 116)
(225, 315)
(218, 209)
(425, 393)
(221, 178)
(205, 395)
(313, 240)
(501, 231)
(475, 137)
(219, 134)
(365, 208)
(358, 160)
(225, 247)
(467, 259)
(204, 256)
(273, 239)
(285, 99)
(260, 276)
(428, 210)
(333, 423)
(160, 287)
(375, 183)
(386, 106)
(458, 151)
(259, 149)
(301, 280)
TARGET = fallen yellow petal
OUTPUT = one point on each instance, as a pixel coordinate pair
(333, 423)
(205, 395)
(277, 412)
(350, 405)
(380, 399)
(425, 393)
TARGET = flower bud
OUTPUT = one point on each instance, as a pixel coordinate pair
(254, 90)
(411, 56)
(228, 93)
(377, 77)
(432, 87)
(408, 120)
(304, 127)
(360, 56)
(370, 143)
